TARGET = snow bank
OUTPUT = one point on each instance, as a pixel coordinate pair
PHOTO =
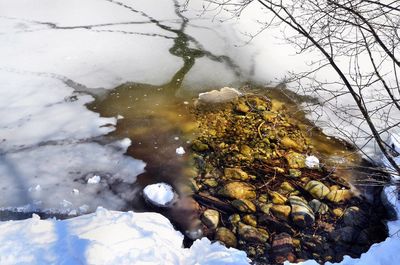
(106, 237)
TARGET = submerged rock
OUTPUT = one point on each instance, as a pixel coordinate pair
(234, 219)
(288, 143)
(244, 206)
(339, 195)
(250, 220)
(238, 190)
(281, 211)
(295, 160)
(226, 236)
(211, 218)
(346, 234)
(198, 146)
(242, 107)
(277, 198)
(302, 215)
(282, 248)
(286, 186)
(318, 207)
(252, 234)
(354, 216)
(317, 189)
(235, 174)
(337, 212)
(294, 173)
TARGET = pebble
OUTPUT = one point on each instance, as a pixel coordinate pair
(277, 198)
(250, 220)
(238, 190)
(302, 214)
(317, 189)
(338, 196)
(252, 234)
(235, 174)
(281, 211)
(210, 218)
(226, 236)
(244, 206)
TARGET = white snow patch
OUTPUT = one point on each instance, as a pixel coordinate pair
(94, 180)
(107, 237)
(180, 151)
(160, 194)
(312, 162)
(218, 96)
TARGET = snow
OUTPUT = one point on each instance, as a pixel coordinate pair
(312, 162)
(106, 237)
(180, 150)
(160, 194)
(94, 180)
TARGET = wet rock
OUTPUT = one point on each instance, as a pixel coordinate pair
(337, 212)
(328, 227)
(295, 160)
(211, 182)
(265, 207)
(192, 185)
(234, 219)
(259, 104)
(353, 216)
(282, 248)
(296, 242)
(346, 234)
(238, 190)
(286, 186)
(318, 207)
(246, 150)
(277, 198)
(198, 146)
(252, 234)
(210, 218)
(269, 116)
(317, 189)
(250, 220)
(281, 211)
(294, 173)
(235, 174)
(302, 215)
(226, 236)
(242, 107)
(338, 196)
(244, 206)
(263, 198)
(288, 144)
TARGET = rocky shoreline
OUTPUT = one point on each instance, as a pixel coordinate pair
(261, 187)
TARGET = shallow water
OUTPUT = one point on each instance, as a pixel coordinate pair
(158, 120)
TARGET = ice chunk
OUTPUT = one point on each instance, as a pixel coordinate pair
(312, 162)
(94, 180)
(218, 96)
(180, 151)
(160, 194)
